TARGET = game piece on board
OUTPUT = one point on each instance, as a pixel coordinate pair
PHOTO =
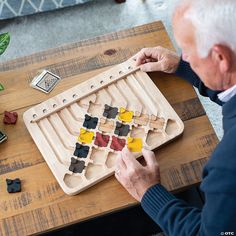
(13, 185)
(110, 112)
(3, 137)
(85, 136)
(158, 123)
(106, 125)
(117, 144)
(125, 115)
(121, 129)
(134, 144)
(10, 117)
(90, 122)
(81, 150)
(45, 81)
(101, 140)
(76, 166)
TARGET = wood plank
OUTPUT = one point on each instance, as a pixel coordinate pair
(94, 56)
(75, 48)
(189, 109)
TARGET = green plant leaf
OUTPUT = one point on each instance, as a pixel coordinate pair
(1, 87)
(4, 41)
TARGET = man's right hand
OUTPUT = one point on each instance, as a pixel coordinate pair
(157, 59)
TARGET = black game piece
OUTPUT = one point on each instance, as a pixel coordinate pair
(3, 137)
(121, 129)
(14, 185)
(76, 166)
(81, 151)
(110, 112)
(90, 122)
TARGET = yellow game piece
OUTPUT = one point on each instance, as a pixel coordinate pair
(83, 131)
(122, 110)
(85, 136)
(125, 115)
(135, 144)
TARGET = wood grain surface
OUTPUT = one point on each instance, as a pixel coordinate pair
(42, 206)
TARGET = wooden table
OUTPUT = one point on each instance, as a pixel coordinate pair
(42, 205)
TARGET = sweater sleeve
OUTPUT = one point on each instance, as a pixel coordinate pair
(185, 72)
(177, 218)
(173, 215)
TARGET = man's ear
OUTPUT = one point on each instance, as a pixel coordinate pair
(222, 56)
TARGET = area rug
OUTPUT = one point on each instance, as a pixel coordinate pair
(14, 8)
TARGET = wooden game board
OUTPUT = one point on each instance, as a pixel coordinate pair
(79, 155)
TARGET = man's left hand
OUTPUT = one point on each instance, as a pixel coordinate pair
(135, 177)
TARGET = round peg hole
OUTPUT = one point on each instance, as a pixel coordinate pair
(130, 67)
(34, 115)
(92, 86)
(44, 110)
(64, 100)
(101, 82)
(120, 72)
(111, 77)
(74, 95)
(54, 105)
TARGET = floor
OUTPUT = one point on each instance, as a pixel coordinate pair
(47, 30)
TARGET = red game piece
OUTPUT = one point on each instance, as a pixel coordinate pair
(101, 140)
(10, 117)
(117, 144)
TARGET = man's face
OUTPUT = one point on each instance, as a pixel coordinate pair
(203, 67)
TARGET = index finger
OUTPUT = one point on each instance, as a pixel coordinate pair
(119, 163)
(129, 159)
(149, 157)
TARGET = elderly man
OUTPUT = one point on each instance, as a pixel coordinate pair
(205, 31)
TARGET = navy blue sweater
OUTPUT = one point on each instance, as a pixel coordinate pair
(218, 215)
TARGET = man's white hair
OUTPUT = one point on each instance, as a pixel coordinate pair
(214, 22)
